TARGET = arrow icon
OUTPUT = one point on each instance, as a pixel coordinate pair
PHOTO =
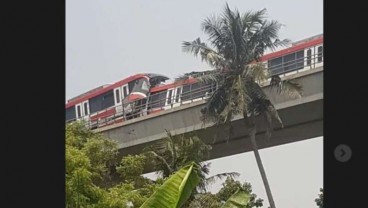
(343, 153)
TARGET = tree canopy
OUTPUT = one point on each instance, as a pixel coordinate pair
(95, 177)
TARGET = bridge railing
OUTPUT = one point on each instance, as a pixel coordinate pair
(295, 65)
(143, 107)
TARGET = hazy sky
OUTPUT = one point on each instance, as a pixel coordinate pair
(108, 40)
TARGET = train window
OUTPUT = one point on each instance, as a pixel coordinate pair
(169, 98)
(85, 108)
(177, 95)
(275, 66)
(108, 99)
(79, 111)
(145, 85)
(95, 104)
(195, 90)
(70, 113)
(125, 91)
(300, 59)
(309, 57)
(153, 101)
(157, 100)
(117, 95)
(185, 93)
(320, 54)
(289, 62)
(131, 86)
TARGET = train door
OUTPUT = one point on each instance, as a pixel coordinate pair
(173, 97)
(314, 57)
(85, 107)
(118, 101)
(125, 91)
(78, 111)
(82, 111)
(319, 56)
(309, 58)
(119, 94)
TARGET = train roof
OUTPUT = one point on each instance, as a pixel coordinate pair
(297, 46)
(104, 88)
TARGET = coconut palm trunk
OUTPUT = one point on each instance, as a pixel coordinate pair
(250, 123)
(262, 171)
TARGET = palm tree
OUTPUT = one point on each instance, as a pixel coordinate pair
(238, 42)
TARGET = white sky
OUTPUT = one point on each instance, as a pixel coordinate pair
(108, 40)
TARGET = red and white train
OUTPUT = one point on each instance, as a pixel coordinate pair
(147, 93)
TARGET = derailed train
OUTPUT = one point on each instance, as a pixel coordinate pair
(147, 93)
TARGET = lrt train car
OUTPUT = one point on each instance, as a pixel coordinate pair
(143, 94)
(301, 56)
(106, 103)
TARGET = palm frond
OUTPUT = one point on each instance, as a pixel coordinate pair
(266, 35)
(216, 103)
(194, 47)
(241, 95)
(207, 54)
(192, 74)
(205, 182)
(210, 77)
(170, 146)
(251, 21)
(258, 71)
(258, 99)
(220, 176)
(213, 28)
(161, 159)
(269, 127)
(272, 110)
(281, 43)
(286, 87)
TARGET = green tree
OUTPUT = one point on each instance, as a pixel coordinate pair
(238, 42)
(171, 154)
(239, 199)
(204, 200)
(94, 178)
(80, 174)
(230, 187)
(88, 155)
(319, 200)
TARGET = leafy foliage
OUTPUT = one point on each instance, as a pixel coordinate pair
(171, 154)
(204, 200)
(91, 165)
(176, 190)
(230, 187)
(319, 200)
(239, 199)
(91, 180)
(131, 167)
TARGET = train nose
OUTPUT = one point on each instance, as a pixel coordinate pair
(136, 96)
